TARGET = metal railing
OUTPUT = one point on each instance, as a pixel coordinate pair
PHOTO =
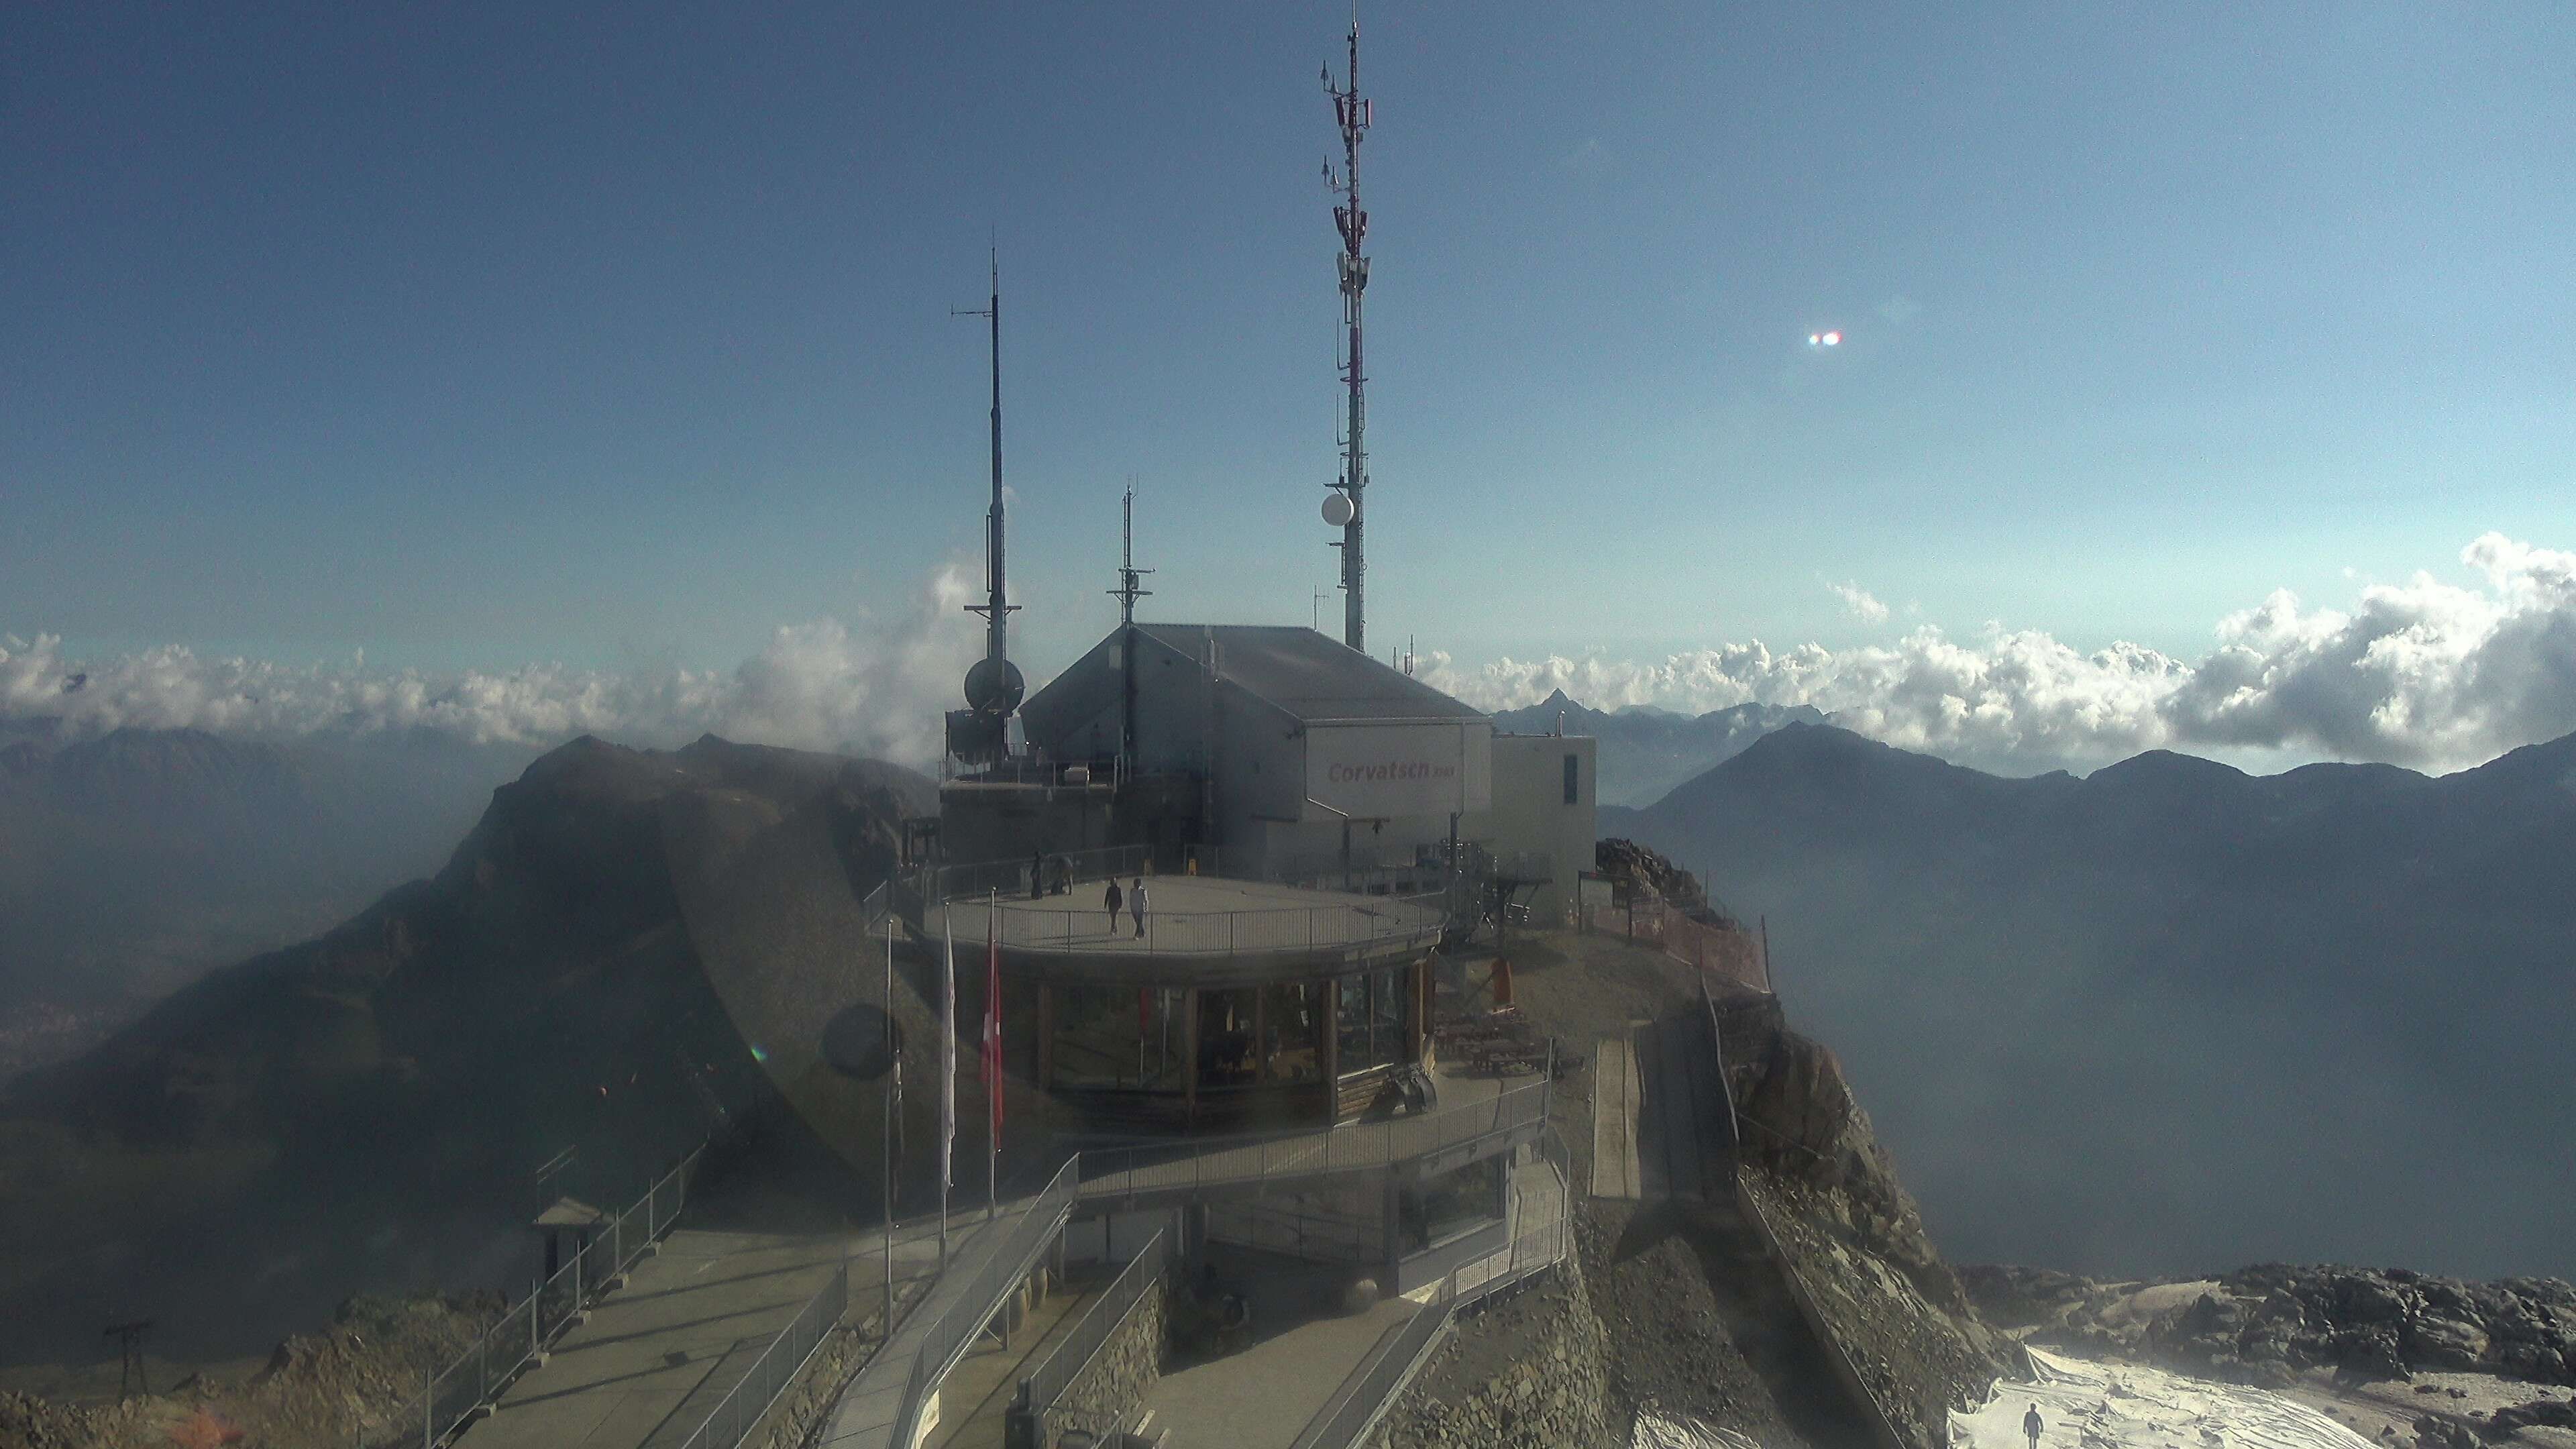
(1010, 878)
(778, 1367)
(1041, 1389)
(1363, 1395)
(1028, 767)
(1370, 1389)
(1881, 1424)
(451, 1395)
(1536, 1246)
(1115, 1172)
(1376, 920)
(957, 1325)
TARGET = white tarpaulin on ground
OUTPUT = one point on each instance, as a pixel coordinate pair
(1388, 771)
(1670, 1429)
(2087, 1405)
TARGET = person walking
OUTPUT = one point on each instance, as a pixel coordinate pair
(1136, 904)
(1110, 899)
(2031, 1424)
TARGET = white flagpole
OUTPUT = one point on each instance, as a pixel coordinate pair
(992, 1058)
(893, 1104)
(947, 1073)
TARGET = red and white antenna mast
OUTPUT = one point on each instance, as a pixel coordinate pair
(1343, 507)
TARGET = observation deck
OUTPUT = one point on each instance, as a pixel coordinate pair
(1196, 930)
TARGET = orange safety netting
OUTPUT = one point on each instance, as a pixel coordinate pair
(1725, 952)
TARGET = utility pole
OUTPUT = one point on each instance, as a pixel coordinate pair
(1353, 114)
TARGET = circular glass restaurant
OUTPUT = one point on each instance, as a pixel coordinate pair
(1239, 1005)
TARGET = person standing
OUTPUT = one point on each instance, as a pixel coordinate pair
(1136, 904)
(2031, 1424)
(1111, 900)
(1037, 874)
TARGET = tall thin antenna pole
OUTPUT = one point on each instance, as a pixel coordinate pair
(1353, 114)
(996, 608)
(1127, 594)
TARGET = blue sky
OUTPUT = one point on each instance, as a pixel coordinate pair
(473, 336)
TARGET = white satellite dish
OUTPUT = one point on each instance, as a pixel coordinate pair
(1338, 509)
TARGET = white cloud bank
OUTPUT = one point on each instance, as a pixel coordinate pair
(1858, 602)
(821, 685)
(2422, 673)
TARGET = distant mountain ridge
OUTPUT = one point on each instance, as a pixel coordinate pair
(1645, 752)
(363, 1107)
(2170, 1015)
(132, 862)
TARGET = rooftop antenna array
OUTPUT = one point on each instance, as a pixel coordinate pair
(1342, 509)
(994, 684)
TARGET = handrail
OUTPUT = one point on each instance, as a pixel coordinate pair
(736, 1415)
(1360, 1400)
(957, 1325)
(1042, 1387)
(1882, 1425)
(1010, 878)
(450, 1396)
(1114, 1172)
(1359, 921)
(1364, 1395)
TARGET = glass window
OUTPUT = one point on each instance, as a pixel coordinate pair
(1571, 798)
(1440, 1208)
(1226, 1056)
(1292, 1028)
(1352, 1024)
(1116, 1036)
(1387, 995)
(1371, 1020)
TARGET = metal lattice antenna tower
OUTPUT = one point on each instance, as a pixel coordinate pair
(996, 608)
(1127, 593)
(1353, 114)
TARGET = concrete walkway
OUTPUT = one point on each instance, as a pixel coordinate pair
(1684, 1138)
(1615, 1098)
(659, 1354)
(978, 1393)
(1263, 1397)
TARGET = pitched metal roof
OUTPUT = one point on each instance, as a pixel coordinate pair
(1308, 674)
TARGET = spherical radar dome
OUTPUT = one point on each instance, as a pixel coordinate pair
(994, 686)
(1338, 509)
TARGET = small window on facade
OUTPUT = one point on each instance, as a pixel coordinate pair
(1570, 768)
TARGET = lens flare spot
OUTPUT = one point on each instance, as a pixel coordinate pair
(1833, 339)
